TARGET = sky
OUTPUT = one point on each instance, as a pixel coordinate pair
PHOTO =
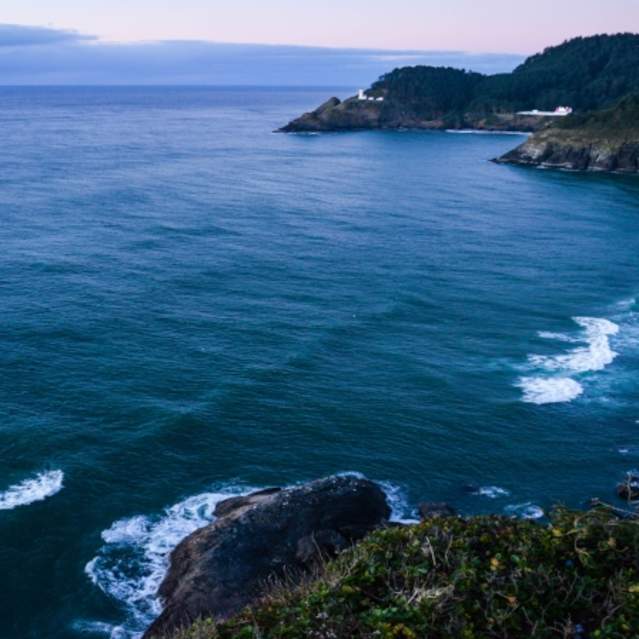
(333, 42)
(500, 26)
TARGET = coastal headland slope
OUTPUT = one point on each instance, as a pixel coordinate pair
(583, 73)
(606, 140)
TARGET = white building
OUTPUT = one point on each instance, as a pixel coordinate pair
(361, 95)
(559, 112)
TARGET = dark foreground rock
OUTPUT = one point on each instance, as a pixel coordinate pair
(220, 569)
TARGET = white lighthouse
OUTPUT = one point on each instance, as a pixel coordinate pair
(362, 97)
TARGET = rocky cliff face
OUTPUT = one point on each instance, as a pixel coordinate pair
(335, 115)
(585, 73)
(354, 114)
(550, 151)
(605, 140)
(220, 569)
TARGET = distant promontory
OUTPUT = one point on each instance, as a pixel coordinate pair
(585, 74)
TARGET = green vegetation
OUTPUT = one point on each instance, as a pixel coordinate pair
(621, 120)
(440, 88)
(585, 73)
(483, 577)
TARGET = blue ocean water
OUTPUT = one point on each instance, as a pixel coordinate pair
(192, 305)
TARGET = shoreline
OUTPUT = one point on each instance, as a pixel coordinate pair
(201, 582)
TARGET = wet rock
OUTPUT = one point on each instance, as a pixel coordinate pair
(222, 568)
(234, 504)
(324, 543)
(605, 140)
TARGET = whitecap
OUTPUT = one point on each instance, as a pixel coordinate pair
(32, 490)
(595, 356)
(549, 390)
(554, 382)
(491, 492)
(97, 628)
(527, 510)
(134, 559)
(401, 511)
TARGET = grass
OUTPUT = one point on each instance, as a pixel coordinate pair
(476, 578)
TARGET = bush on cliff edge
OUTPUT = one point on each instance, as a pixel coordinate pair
(481, 577)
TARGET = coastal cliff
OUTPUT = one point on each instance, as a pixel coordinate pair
(271, 534)
(606, 140)
(263, 570)
(353, 114)
(584, 73)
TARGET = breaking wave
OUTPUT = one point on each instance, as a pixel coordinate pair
(401, 510)
(491, 492)
(134, 559)
(555, 382)
(132, 563)
(553, 390)
(31, 490)
(525, 511)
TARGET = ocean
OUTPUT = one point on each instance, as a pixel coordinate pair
(194, 306)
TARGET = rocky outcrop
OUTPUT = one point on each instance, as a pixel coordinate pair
(335, 115)
(553, 150)
(585, 73)
(220, 569)
(353, 115)
(606, 140)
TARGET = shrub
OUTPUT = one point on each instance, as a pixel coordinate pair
(482, 577)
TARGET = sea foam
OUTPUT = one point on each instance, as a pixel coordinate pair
(594, 356)
(491, 492)
(134, 559)
(553, 390)
(554, 382)
(31, 490)
(527, 510)
(401, 511)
